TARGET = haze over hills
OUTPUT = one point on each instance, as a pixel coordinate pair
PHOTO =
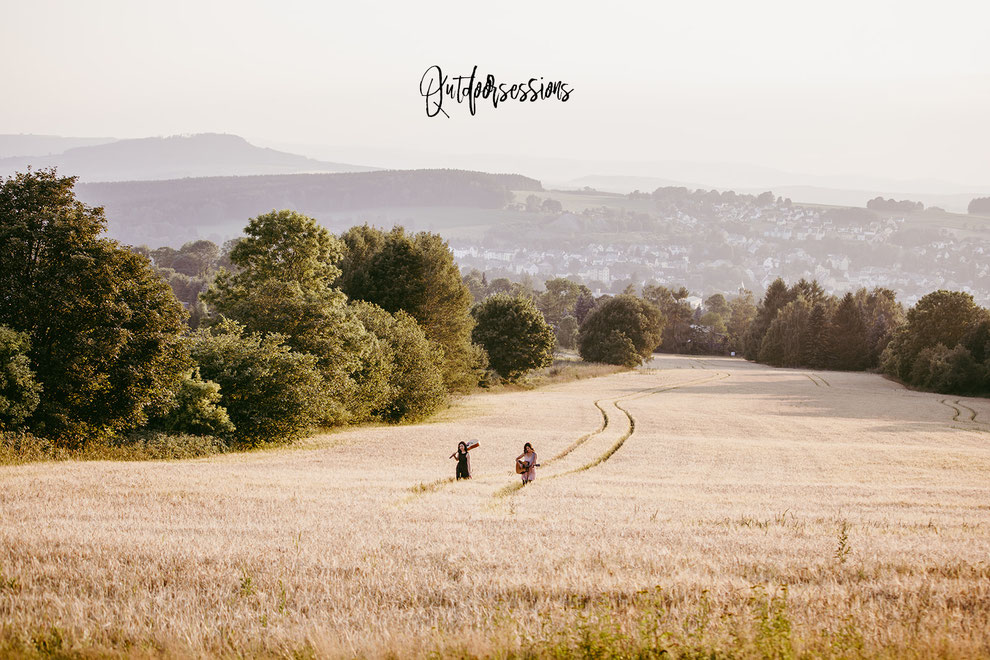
(27, 144)
(211, 155)
(175, 211)
(808, 194)
(175, 157)
(646, 175)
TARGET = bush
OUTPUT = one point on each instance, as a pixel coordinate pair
(514, 334)
(623, 330)
(196, 410)
(18, 388)
(414, 364)
(949, 371)
(271, 393)
(20, 448)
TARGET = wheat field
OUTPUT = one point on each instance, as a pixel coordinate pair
(697, 507)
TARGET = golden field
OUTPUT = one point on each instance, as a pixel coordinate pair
(697, 506)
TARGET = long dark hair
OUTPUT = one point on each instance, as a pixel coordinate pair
(529, 446)
(462, 444)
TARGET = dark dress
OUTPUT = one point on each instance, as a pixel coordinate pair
(463, 465)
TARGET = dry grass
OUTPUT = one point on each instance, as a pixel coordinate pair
(19, 448)
(567, 367)
(724, 508)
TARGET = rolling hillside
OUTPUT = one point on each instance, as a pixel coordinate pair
(179, 156)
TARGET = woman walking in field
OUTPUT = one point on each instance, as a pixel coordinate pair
(463, 461)
(526, 464)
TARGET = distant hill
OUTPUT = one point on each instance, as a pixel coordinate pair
(157, 158)
(173, 211)
(809, 194)
(624, 184)
(26, 144)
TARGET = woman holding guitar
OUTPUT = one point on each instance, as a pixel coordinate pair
(526, 464)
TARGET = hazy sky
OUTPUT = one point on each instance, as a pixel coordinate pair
(891, 89)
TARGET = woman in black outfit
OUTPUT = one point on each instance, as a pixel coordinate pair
(463, 461)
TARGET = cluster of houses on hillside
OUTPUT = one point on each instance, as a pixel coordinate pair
(735, 246)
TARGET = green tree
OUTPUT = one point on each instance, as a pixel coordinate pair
(105, 331)
(941, 317)
(584, 305)
(19, 391)
(559, 299)
(623, 330)
(848, 337)
(949, 371)
(717, 304)
(415, 364)
(775, 298)
(476, 284)
(812, 291)
(742, 313)
(785, 342)
(818, 347)
(567, 332)
(286, 267)
(882, 315)
(271, 393)
(677, 315)
(514, 334)
(416, 274)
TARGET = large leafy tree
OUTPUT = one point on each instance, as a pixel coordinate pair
(105, 331)
(286, 266)
(415, 274)
(515, 335)
(940, 318)
(622, 330)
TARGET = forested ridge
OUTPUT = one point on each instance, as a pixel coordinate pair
(207, 200)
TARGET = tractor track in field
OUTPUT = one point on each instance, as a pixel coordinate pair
(818, 380)
(426, 488)
(584, 438)
(972, 413)
(957, 411)
(965, 416)
(512, 488)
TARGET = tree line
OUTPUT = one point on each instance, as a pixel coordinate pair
(293, 327)
(941, 344)
(210, 200)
